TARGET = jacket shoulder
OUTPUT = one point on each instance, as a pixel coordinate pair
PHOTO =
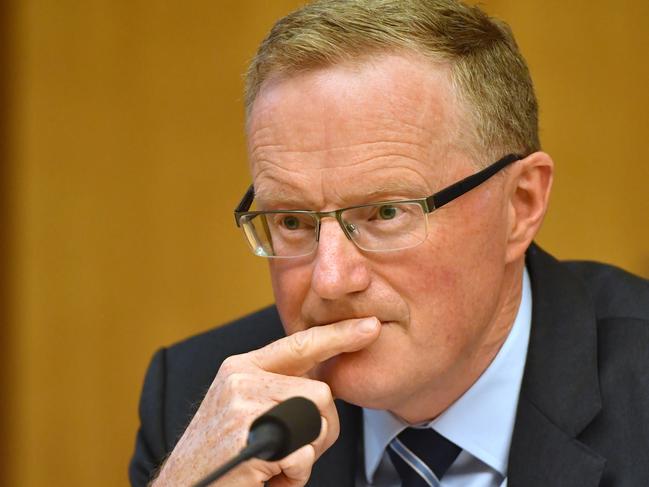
(178, 378)
(239, 336)
(621, 302)
(615, 292)
(192, 364)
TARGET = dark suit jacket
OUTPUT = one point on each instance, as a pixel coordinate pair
(583, 412)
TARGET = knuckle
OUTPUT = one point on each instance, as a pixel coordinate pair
(322, 391)
(263, 471)
(237, 408)
(298, 465)
(230, 365)
(299, 343)
(236, 381)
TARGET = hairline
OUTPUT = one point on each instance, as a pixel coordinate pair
(467, 141)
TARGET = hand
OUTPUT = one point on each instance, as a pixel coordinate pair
(246, 386)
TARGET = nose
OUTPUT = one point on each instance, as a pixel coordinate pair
(340, 268)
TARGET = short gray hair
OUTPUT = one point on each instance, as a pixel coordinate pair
(487, 70)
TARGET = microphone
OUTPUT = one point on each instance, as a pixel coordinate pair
(281, 430)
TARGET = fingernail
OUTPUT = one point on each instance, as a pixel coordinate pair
(368, 325)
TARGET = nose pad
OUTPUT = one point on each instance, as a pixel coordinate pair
(351, 228)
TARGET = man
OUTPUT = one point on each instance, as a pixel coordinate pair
(419, 303)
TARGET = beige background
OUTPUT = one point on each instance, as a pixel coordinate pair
(123, 156)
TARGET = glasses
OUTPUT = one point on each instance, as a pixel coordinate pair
(377, 227)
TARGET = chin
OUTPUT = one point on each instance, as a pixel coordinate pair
(358, 378)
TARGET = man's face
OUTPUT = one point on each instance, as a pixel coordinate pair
(387, 129)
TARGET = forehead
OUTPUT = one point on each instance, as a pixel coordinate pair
(387, 122)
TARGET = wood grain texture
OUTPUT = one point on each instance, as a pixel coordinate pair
(126, 129)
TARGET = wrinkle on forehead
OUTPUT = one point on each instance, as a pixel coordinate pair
(274, 143)
(326, 125)
(385, 87)
(328, 189)
(281, 157)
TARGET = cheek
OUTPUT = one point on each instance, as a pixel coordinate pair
(431, 291)
(450, 281)
(290, 280)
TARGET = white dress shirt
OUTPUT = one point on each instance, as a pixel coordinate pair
(480, 422)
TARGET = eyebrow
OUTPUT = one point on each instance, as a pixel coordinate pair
(399, 187)
(279, 198)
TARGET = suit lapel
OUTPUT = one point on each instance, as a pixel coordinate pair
(560, 390)
(543, 454)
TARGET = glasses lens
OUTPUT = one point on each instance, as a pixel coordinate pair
(282, 234)
(386, 226)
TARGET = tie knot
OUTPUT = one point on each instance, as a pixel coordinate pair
(422, 456)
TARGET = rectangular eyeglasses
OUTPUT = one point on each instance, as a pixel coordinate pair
(376, 227)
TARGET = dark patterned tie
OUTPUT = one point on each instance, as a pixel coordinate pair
(422, 456)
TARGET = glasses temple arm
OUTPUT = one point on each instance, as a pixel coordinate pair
(245, 203)
(467, 184)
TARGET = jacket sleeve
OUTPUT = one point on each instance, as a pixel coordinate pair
(150, 443)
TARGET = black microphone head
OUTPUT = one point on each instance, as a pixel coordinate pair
(297, 422)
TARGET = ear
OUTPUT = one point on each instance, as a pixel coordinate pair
(529, 185)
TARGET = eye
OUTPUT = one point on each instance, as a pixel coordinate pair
(291, 222)
(387, 212)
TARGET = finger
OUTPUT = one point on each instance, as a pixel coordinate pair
(277, 388)
(329, 431)
(298, 353)
(320, 393)
(296, 468)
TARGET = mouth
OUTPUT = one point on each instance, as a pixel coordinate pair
(383, 323)
(323, 322)
(388, 322)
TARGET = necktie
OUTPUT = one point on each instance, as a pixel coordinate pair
(422, 456)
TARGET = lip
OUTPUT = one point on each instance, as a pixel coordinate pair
(383, 323)
(388, 311)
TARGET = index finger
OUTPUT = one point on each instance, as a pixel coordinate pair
(298, 353)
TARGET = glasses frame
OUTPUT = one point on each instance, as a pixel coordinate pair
(428, 204)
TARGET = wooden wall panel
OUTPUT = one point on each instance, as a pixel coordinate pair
(127, 157)
(6, 223)
(129, 161)
(589, 64)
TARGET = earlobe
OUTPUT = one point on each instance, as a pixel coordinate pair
(529, 194)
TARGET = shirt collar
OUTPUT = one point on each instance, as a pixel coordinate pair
(481, 421)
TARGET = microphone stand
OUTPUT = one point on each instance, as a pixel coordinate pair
(280, 431)
(263, 444)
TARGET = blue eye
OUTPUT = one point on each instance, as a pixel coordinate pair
(291, 222)
(387, 212)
